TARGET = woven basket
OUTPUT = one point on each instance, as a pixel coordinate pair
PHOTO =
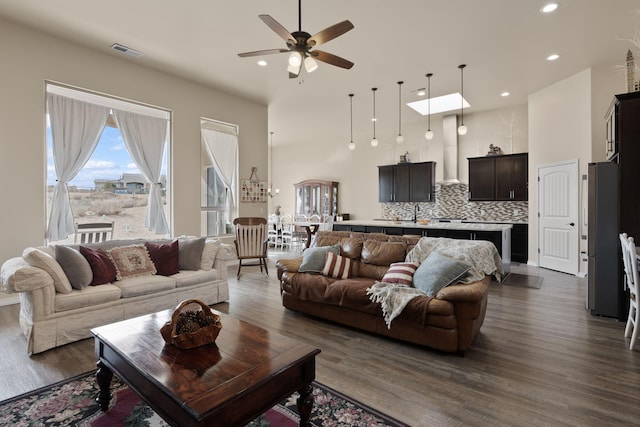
(186, 340)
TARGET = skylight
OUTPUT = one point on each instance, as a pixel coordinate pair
(439, 104)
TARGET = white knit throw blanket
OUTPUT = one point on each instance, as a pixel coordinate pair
(392, 297)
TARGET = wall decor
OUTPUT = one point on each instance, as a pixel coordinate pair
(253, 190)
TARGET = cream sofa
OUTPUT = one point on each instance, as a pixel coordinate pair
(51, 315)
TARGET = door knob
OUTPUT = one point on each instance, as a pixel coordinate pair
(572, 224)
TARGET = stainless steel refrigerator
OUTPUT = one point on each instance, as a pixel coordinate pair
(605, 296)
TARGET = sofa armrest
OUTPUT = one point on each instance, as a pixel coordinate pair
(288, 264)
(226, 252)
(471, 292)
(16, 275)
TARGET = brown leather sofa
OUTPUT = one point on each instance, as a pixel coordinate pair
(448, 321)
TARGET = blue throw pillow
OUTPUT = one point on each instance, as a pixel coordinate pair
(313, 258)
(438, 271)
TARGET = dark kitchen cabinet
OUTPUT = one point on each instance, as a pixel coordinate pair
(482, 179)
(512, 177)
(412, 182)
(502, 178)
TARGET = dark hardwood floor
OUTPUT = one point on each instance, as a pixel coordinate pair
(539, 360)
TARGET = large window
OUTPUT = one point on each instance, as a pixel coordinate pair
(219, 158)
(109, 184)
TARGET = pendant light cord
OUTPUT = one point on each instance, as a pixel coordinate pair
(351, 102)
(429, 101)
(462, 93)
(400, 108)
(374, 111)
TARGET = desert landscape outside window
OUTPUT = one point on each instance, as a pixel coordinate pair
(110, 187)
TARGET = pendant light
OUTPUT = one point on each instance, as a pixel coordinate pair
(277, 190)
(429, 133)
(374, 141)
(352, 145)
(400, 138)
(462, 129)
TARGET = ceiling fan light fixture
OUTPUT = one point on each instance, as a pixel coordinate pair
(295, 59)
(310, 64)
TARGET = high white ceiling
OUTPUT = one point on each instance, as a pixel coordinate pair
(503, 42)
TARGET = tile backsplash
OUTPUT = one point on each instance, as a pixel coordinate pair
(451, 202)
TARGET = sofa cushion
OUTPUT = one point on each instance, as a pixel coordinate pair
(131, 261)
(187, 278)
(313, 258)
(190, 253)
(349, 246)
(400, 273)
(75, 266)
(37, 258)
(383, 253)
(144, 285)
(101, 265)
(438, 271)
(164, 257)
(337, 266)
(209, 252)
(88, 297)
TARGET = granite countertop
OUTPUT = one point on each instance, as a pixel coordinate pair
(437, 225)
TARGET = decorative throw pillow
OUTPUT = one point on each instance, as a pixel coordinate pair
(164, 257)
(337, 266)
(209, 252)
(131, 261)
(400, 273)
(313, 258)
(101, 266)
(37, 258)
(190, 253)
(438, 271)
(75, 266)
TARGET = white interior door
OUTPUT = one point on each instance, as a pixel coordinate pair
(558, 216)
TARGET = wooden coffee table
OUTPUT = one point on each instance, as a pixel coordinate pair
(229, 383)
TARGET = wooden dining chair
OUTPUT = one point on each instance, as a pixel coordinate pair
(630, 260)
(251, 241)
(93, 232)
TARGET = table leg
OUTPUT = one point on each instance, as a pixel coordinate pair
(305, 404)
(104, 376)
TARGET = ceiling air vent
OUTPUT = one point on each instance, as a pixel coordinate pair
(126, 50)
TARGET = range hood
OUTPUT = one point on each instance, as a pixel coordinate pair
(450, 150)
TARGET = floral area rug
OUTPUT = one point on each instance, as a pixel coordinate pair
(72, 403)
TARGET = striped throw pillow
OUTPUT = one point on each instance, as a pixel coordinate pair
(337, 266)
(400, 273)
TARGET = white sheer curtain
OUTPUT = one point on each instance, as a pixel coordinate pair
(222, 149)
(145, 138)
(76, 127)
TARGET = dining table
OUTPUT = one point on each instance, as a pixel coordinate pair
(311, 227)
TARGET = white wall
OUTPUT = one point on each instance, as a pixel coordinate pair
(357, 171)
(30, 57)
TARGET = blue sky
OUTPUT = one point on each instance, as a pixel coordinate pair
(109, 160)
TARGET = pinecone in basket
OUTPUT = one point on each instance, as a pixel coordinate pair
(191, 320)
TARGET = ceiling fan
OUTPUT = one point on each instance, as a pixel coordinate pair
(300, 43)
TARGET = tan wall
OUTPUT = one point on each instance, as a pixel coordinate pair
(29, 58)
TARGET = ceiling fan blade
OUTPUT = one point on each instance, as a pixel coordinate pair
(277, 28)
(332, 59)
(330, 33)
(262, 52)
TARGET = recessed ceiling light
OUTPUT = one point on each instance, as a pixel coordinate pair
(505, 94)
(553, 57)
(421, 92)
(262, 63)
(549, 7)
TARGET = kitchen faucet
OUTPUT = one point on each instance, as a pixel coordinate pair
(416, 208)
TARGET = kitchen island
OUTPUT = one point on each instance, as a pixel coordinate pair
(498, 234)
